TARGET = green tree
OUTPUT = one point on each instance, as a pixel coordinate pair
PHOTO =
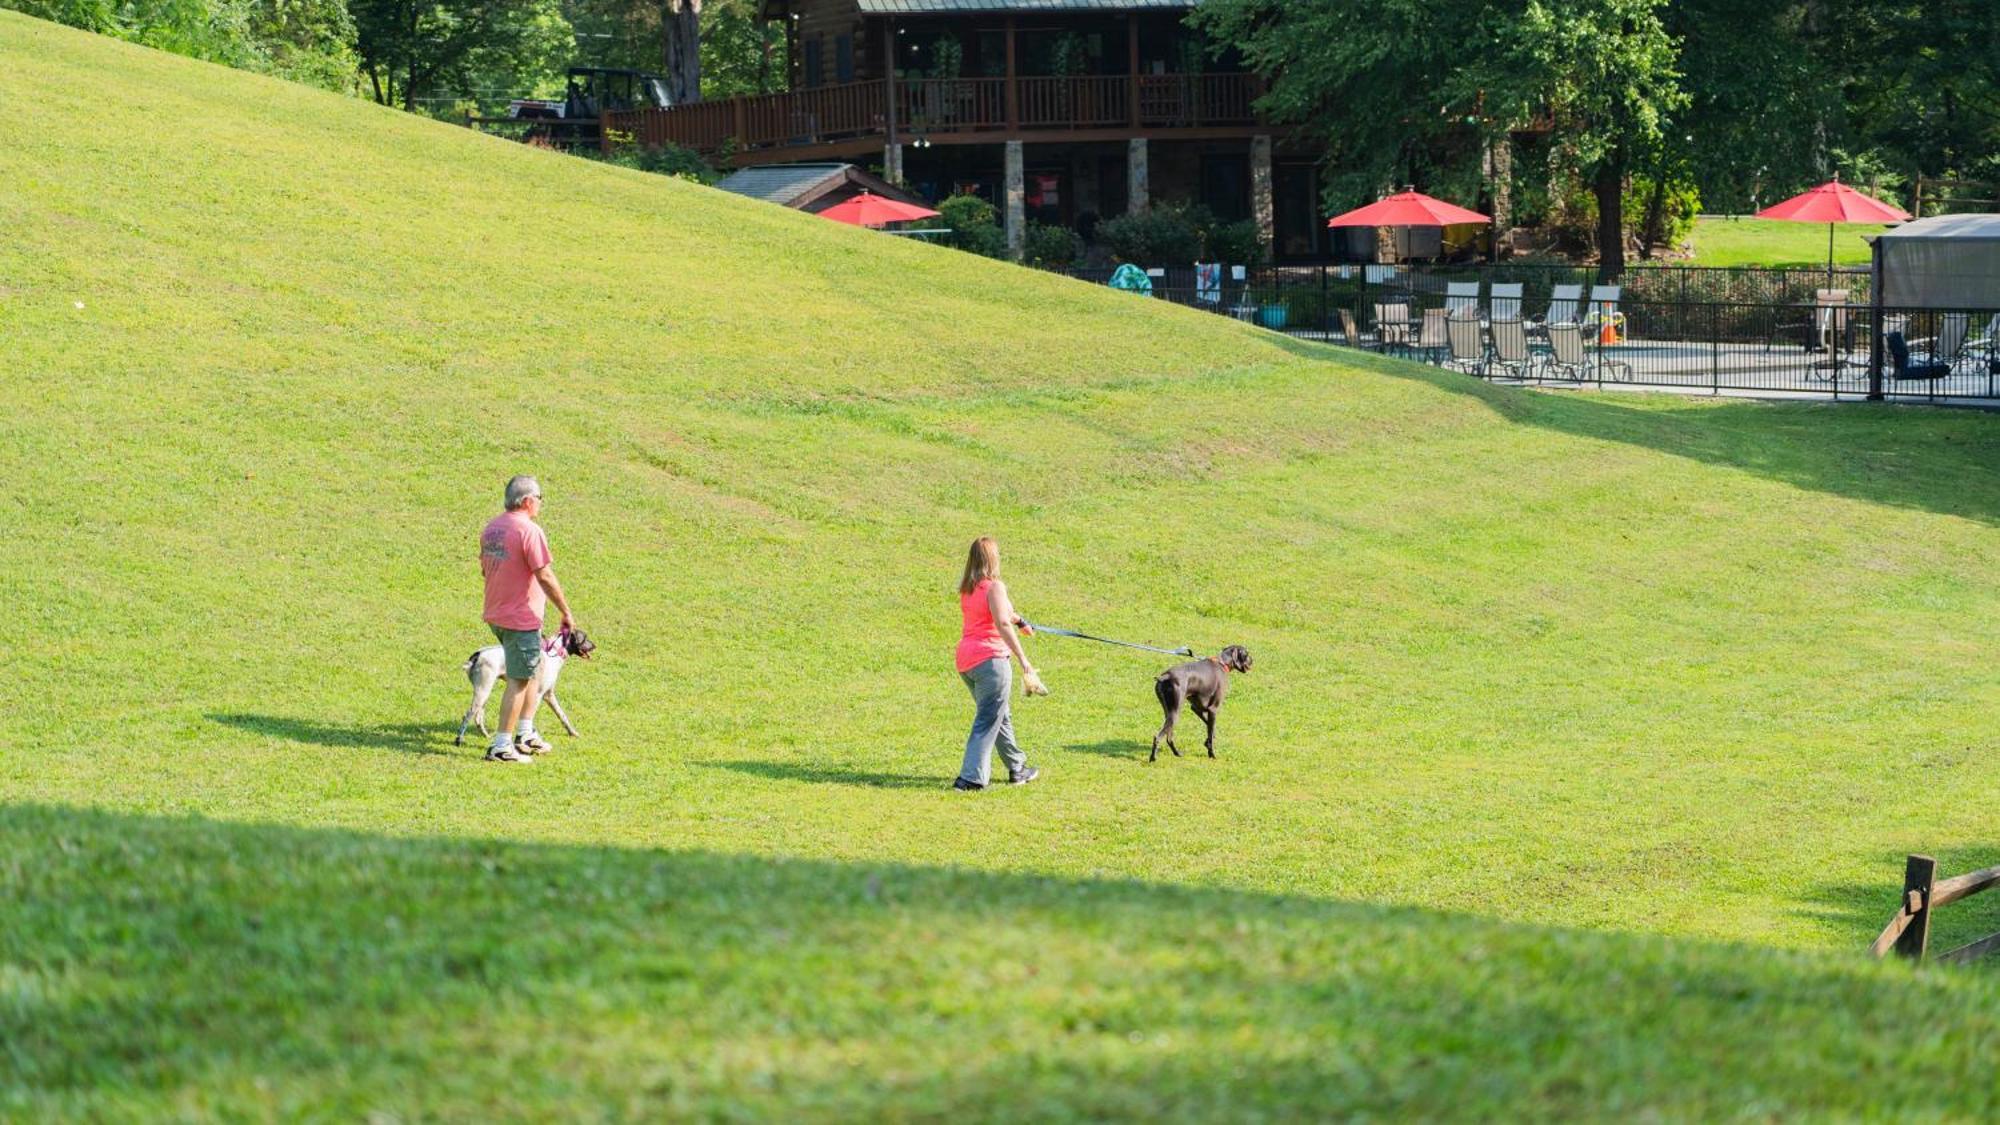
(739, 53)
(414, 50)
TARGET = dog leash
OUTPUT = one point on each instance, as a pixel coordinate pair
(1055, 632)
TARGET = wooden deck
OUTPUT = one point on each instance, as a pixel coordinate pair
(856, 116)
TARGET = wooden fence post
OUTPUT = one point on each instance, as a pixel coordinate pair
(1919, 875)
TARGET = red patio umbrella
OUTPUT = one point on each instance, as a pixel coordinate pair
(871, 210)
(1407, 209)
(1833, 202)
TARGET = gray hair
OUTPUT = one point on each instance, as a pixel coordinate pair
(520, 490)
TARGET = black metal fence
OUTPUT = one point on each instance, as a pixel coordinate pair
(1690, 328)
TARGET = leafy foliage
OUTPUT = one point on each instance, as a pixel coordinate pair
(974, 225)
(309, 41)
(1051, 244)
(665, 160)
(1162, 235)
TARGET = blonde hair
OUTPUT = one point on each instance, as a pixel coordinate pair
(982, 561)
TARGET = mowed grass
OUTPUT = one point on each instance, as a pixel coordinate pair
(1776, 243)
(1584, 742)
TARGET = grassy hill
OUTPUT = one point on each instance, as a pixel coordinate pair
(1585, 738)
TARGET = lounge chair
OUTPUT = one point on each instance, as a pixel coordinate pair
(1460, 295)
(1431, 338)
(1467, 346)
(1987, 343)
(1575, 361)
(1903, 367)
(1510, 348)
(1567, 359)
(1561, 310)
(1504, 301)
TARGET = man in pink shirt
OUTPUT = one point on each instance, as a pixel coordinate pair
(520, 580)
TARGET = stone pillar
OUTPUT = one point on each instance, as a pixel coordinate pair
(892, 163)
(1016, 190)
(1262, 206)
(1135, 176)
(1500, 185)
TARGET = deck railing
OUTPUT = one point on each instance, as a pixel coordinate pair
(926, 107)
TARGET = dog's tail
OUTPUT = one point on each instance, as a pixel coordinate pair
(472, 662)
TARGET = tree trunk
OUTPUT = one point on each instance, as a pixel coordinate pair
(1609, 187)
(680, 49)
(1650, 230)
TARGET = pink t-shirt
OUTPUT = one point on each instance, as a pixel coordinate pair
(511, 549)
(981, 640)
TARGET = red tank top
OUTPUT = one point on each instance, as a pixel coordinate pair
(980, 641)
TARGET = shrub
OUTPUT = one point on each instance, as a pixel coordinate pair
(1162, 236)
(1050, 245)
(666, 160)
(1238, 244)
(972, 224)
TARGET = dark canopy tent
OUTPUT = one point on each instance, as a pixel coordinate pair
(1945, 262)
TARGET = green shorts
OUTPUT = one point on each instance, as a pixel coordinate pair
(524, 651)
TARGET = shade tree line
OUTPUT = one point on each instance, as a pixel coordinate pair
(449, 57)
(1628, 110)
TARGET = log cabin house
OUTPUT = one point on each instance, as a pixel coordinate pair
(1057, 111)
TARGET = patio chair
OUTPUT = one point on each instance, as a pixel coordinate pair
(1431, 338)
(1504, 301)
(1603, 309)
(1461, 295)
(1510, 348)
(1392, 325)
(1467, 345)
(1832, 332)
(1349, 333)
(1561, 310)
(1901, 366)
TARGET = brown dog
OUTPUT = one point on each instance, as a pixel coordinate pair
(1200, 684)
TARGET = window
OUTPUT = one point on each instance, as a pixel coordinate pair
(843, 59)
(815, 61)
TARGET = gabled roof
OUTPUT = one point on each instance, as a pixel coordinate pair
(799, 185)
(949, 7)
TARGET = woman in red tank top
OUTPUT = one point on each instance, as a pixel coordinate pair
(991, 633)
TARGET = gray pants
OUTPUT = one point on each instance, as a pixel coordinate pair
(992, 683)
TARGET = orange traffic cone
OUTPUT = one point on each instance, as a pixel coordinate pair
(1607, 334)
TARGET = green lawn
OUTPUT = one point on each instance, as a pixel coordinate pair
(1584, 743)
(1777, 243)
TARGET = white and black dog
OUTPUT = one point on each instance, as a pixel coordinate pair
(488, 666)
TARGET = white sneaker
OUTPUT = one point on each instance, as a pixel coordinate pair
(531, 744)
(507, 754)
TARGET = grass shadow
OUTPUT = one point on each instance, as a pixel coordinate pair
(414, 738)
(1855, 912)
(287, 972)
(1902, 455)
(1135, 748)
(835, 775)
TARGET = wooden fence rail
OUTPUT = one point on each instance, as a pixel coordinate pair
(1908, 933)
